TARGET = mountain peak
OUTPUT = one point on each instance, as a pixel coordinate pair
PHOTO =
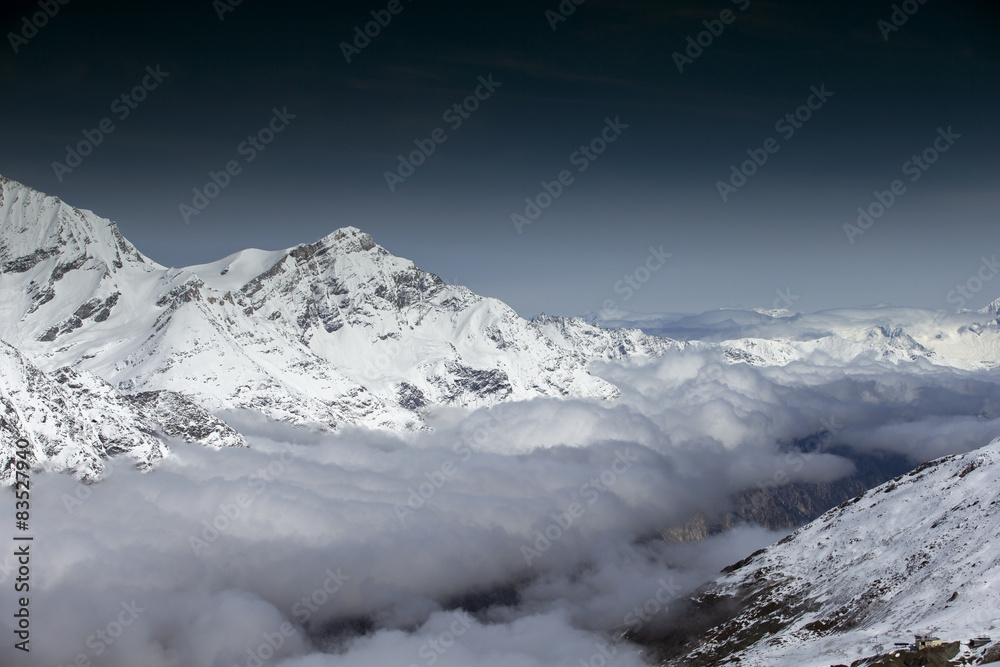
(348, 239)
(992, 309)
(35, 227)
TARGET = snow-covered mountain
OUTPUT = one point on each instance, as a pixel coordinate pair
(329, 333)
(914, 555)
(993, 309)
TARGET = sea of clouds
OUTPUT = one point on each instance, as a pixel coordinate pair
(528, 534)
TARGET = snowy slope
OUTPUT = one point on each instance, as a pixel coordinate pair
(914, 555)
(991, 310)
(575, 335)
(75, 421)
(75, 293)
(71, 426)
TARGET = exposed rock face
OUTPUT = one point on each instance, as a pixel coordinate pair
(74, 421)
(341, 332)
(175, 416)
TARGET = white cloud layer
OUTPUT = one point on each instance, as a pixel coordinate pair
(542, 519)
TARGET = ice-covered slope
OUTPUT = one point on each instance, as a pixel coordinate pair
(917, 554)
(330, 333)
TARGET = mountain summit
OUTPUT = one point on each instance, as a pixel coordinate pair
(35, 227)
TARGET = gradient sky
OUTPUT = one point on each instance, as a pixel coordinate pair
(656, 185)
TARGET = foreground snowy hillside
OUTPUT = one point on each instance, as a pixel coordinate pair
(915, 555)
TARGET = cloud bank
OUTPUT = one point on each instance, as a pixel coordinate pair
(526, 534)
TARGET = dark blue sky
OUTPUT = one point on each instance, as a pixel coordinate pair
(655, 185)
